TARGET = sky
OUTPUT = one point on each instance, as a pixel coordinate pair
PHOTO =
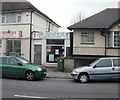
(63, 12)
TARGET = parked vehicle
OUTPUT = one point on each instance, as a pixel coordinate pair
(20, 67)
(103, 68)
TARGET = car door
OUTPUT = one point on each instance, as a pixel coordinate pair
(4, 66)
(16, 67)
(103, 69)
(116, 64)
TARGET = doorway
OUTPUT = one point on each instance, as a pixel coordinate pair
(53, 53)
(37, 54)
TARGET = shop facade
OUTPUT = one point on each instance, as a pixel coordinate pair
(18, 22)
(49, 46)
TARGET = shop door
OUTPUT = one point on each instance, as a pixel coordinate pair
(37, 54)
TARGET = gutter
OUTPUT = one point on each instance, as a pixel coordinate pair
(30, 55)
(102, 33)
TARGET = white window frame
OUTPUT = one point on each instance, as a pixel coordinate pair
(111, 39)
(18, 15)
(87, 35)
(4, 16)
(5, 20)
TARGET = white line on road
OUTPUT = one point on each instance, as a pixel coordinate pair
(24, 96)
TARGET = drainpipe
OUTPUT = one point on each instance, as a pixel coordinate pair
(102, 33)
(49, 25)
(30, 36)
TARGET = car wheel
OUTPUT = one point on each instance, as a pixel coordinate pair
(83, 78)
(30, 76)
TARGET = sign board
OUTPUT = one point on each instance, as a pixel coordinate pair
(51, 57)
(51, 35)
(11, 34)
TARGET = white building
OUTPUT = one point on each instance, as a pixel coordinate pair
(20, 22)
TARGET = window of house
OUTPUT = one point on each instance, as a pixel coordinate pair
(3, 18)
(19, 17)
(114, 39)
(87, 37)
(11, 18)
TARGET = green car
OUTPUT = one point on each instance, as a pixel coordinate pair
(20, 67)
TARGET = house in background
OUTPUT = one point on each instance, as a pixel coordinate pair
(19, 21)
(98, 35)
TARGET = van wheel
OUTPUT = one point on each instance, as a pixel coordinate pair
(83, 78)
(30, 76)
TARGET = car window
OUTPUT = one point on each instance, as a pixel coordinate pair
(13, 61)
(116, 62)
(104, 63)
(3, 60)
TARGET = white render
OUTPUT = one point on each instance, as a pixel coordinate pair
(39, 23)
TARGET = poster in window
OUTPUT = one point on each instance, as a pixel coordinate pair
(51, 57)
(57, 51)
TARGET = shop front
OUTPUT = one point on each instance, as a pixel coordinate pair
(54, 50)
(14, 43)
(54, 45)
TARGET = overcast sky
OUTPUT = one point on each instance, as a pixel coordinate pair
(64, 11)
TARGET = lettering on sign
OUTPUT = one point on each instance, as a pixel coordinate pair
(11, 34)
(51, 35)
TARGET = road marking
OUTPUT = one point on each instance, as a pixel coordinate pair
(24, 96)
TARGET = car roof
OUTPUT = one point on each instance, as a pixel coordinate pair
(110, 58)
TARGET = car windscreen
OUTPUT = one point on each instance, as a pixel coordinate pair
(24, 60)
(93, 63)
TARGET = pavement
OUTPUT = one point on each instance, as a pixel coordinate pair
(52, 72)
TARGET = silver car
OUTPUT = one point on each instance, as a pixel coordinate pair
(102, 68)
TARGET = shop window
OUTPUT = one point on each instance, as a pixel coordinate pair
(54, 52)
(13, 47)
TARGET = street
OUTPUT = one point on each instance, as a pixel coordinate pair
(58, 88)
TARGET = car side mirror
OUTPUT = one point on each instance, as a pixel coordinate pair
(20, 64)
(94, 66)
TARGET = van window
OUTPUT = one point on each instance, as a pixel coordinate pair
(116, 62)
(104, 63)
(3, 60)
